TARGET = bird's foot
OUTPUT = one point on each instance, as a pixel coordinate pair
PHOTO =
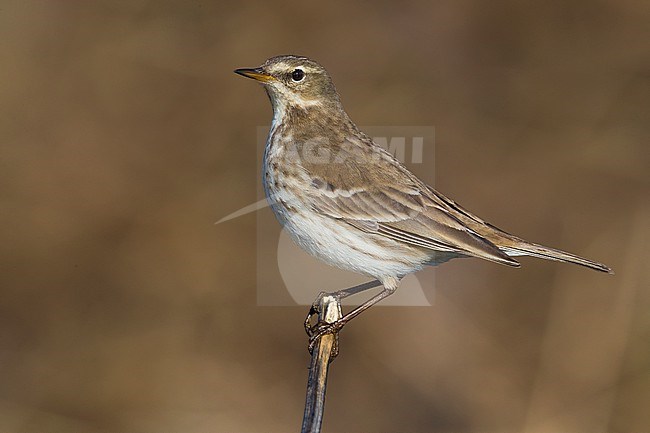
(321, 329)
(317, 329)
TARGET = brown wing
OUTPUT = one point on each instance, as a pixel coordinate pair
(368, 188)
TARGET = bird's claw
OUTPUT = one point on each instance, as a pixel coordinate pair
(313, 311)
(320, 329)
(316, 330)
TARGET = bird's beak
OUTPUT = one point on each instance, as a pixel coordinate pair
(256, 74)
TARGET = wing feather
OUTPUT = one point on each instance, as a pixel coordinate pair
(379, 195)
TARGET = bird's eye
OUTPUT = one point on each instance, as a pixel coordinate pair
(297, 75)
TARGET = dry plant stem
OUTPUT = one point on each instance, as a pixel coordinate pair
(324, 351)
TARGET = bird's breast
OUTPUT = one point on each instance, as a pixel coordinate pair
(284, 180)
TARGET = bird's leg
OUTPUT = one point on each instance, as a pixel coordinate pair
(319, 329)
(341, 294)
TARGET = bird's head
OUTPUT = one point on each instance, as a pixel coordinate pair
(294, 81)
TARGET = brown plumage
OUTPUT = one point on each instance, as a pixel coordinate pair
(350, 203)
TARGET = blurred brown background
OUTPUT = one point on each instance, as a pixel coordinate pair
(125, 136)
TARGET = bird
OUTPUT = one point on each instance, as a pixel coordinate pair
(350, 203)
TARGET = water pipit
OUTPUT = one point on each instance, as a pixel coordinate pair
(348, 202)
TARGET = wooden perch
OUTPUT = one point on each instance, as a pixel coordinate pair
(323, 351)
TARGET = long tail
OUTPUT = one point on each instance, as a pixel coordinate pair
(510, 244)
(523, 248)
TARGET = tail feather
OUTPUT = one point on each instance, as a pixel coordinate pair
(510, 244)
(529, 249)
